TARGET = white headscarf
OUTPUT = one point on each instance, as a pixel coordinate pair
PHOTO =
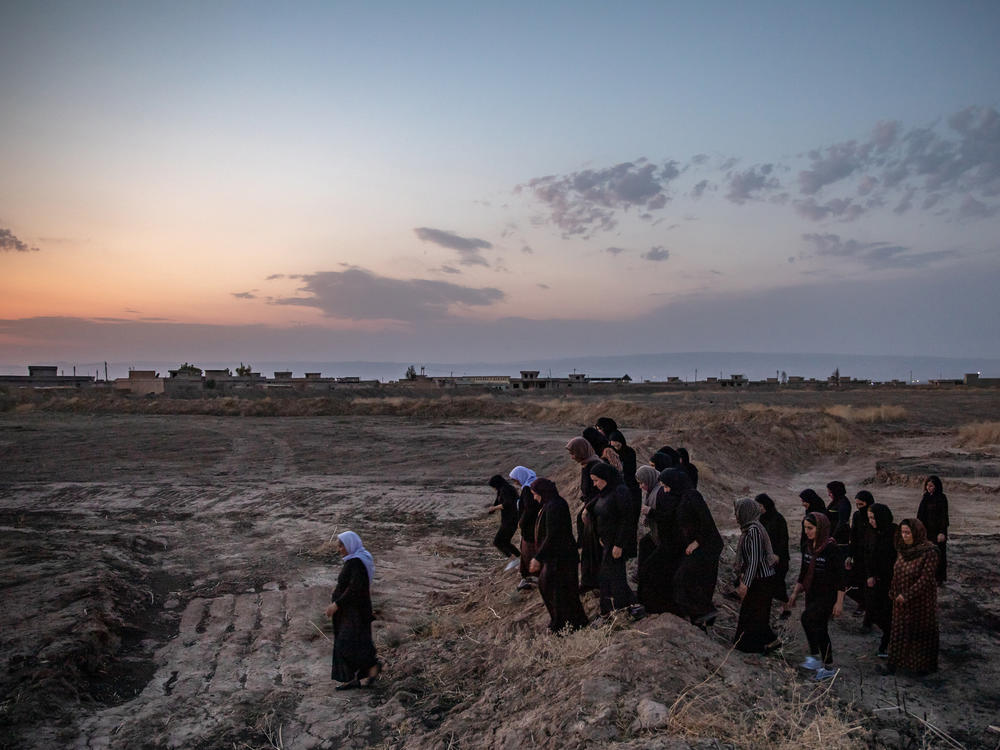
(523, 475)
(356, 551)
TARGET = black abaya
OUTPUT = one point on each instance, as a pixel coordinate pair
(557, 581)
(697, 574)
(613, 513)
(353, 648)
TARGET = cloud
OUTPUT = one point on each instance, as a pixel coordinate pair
(973, 209)
(468, 247)
(699, 189)
(838, 208)
(746, 185)
(873, 255)
(657, 253)
(830, 165)
(11, 244)
(449, 269)
(274, 276)
(527, 250)
(614, 250)
(588, 201)
(359, 294)
(543, 286)
(245, 295)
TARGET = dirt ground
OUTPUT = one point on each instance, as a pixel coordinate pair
(164, 577)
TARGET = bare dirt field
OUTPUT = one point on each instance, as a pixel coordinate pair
(165, 566)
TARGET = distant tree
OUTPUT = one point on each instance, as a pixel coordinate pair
(188, 369)
(244, 370)
(784, 377)
(411, 373)
(836, 375)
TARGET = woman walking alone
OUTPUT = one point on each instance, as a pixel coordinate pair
(756, 581)
(506, 502)
(823, 581)
(913, 644)
(351, 610)
(556, 559)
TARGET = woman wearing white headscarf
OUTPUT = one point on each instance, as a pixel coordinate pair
(528, 508)
(351, 610)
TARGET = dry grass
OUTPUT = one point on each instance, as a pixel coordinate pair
(979, 434)
(869, 414)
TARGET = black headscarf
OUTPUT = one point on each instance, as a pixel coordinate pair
(662, 461)
(866, 497)
(883, 519)
(545, 488)
(676, 479)
(936, 481)
(606, 425)
(497, 482)
(617, 437)
(597, 441)
(839, 491)
(814, 501)
(767, 502)
(683, 456)
(672, 453)
(608, 473)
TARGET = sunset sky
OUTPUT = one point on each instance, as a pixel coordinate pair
(457, 181)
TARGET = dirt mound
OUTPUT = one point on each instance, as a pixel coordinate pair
(976, 472)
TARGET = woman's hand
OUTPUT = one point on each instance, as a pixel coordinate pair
(616, 552)
(838, 608)
(691, 547)
(741, 590)
(871, 582)
(332, 610)
(900, 599)
(534, 566)
(848, 563)
(941, 538)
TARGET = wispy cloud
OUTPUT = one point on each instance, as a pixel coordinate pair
(11, 244)
(873, 255)
(614, 250)
(245, 295)
(657, 254)
(751, 183)
(468, 247)
(589, 201)
(359, 294)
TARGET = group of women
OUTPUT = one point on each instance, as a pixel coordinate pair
(892, 570)
(656, 514)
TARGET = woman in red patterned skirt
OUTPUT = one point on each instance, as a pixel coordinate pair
(913, 643)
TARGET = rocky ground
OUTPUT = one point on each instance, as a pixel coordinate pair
(164, 578)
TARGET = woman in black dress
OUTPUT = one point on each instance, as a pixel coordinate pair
(933, 514)
(581, 451)
(777, 531)
(613, 518)
(880, 559)
(351, 609)
(811, 503)
(556, 559)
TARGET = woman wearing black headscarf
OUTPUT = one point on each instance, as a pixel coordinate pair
(777, 531)
(662, 461)
(627, 456)
(556, 559)
(506, 501)
(933, 514)
(606, 425)
(839, 513)
(602, 447)
(821, 577)
(811, 503)
(661, 549)
(755, 581)
(582, 452)
(613, 518)
(685, 462)
(880, 558)
(855, 563)
(698, 571)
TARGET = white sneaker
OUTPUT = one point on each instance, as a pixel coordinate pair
(811, 662)
(825, 674)
(512, 564)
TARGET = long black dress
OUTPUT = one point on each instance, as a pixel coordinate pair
(526, 522)
(586, 533)
(660, 563)
(613, 514)
(933, 513)
(353, 647)
(557, 581)
(697, 574)
(858, 575)
(777, 531)
(880, 559)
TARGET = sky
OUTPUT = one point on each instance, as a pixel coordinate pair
(449, 181)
